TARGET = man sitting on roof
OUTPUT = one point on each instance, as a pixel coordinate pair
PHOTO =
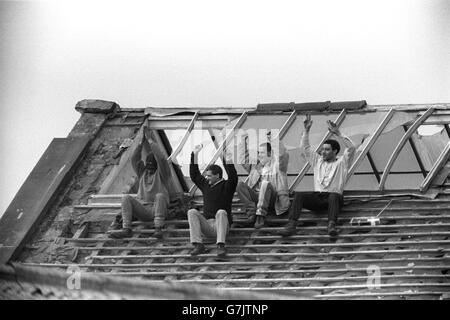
(153, 197)
(330, 175)
(266, 188)
(217, 198)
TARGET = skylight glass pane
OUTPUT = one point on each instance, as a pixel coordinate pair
(404, 181)
(430, 140)
(362, 182)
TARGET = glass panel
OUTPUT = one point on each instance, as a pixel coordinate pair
(385, 145)
(362, 182)
(430, 140)
(404, 181)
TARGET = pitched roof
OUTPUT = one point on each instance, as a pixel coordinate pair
(68, 207)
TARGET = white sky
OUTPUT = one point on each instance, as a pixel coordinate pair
(206, 53)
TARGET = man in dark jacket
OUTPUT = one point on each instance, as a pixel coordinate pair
(217, 198)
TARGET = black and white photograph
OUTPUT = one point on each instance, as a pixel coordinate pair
(242, 151)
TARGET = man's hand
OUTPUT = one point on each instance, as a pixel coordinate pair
(198, 148)
(308, 122)
(147, 134)
(333, 128)
(228, 157)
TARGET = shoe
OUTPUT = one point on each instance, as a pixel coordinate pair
(117, 223)
(158, 233)
(221, 250)
(289, 229)
(124, 233)
(198, 249)
(250, 220)
(332, 232)
(259, 222)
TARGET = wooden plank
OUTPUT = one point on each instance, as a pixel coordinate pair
(382, 294)
(284, 246)
(183, 140)
(274, 237)
(361, 286)
(316, 279)
(253, 263)
(320, 228)
(304, 271)
(284, 254)
(401, 144)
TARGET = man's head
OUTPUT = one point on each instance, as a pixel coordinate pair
(213, 174)
(264, 153)
(330, 149)
(150, 163)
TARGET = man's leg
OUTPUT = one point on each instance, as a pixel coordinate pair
(267, 196)
(249, 199)
(131, 207)
(198, 226)
(307, 200)
(334, 209)
(160, 210)
(221, 226)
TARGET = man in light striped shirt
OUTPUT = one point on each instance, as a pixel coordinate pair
(330, 175)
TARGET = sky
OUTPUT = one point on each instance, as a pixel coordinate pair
(206, 53)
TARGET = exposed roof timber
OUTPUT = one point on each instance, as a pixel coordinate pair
(371, 142)
(401, 144)
(227, 139)
(312, 106)
(169, 111)
(186, 135)
(305, 168)
(411, 107)
(440, 162)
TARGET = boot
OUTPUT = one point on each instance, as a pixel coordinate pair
(221, 250)
(332, 232)
(259, 222)
(117, 223)
(158, 233)
(289, 229)
(198, 249)
(251, 219)
(124, 233)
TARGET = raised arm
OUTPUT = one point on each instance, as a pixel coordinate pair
(243, 154)
(159, 156)
(231, 172)
(305, 147)
(350, 148)
(136, 157)
(283, 158)
(194, 172)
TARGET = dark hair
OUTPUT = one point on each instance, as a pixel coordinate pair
(215, 169)
(268, 147)
(334, 145)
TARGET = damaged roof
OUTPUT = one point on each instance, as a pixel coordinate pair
(61, 214)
